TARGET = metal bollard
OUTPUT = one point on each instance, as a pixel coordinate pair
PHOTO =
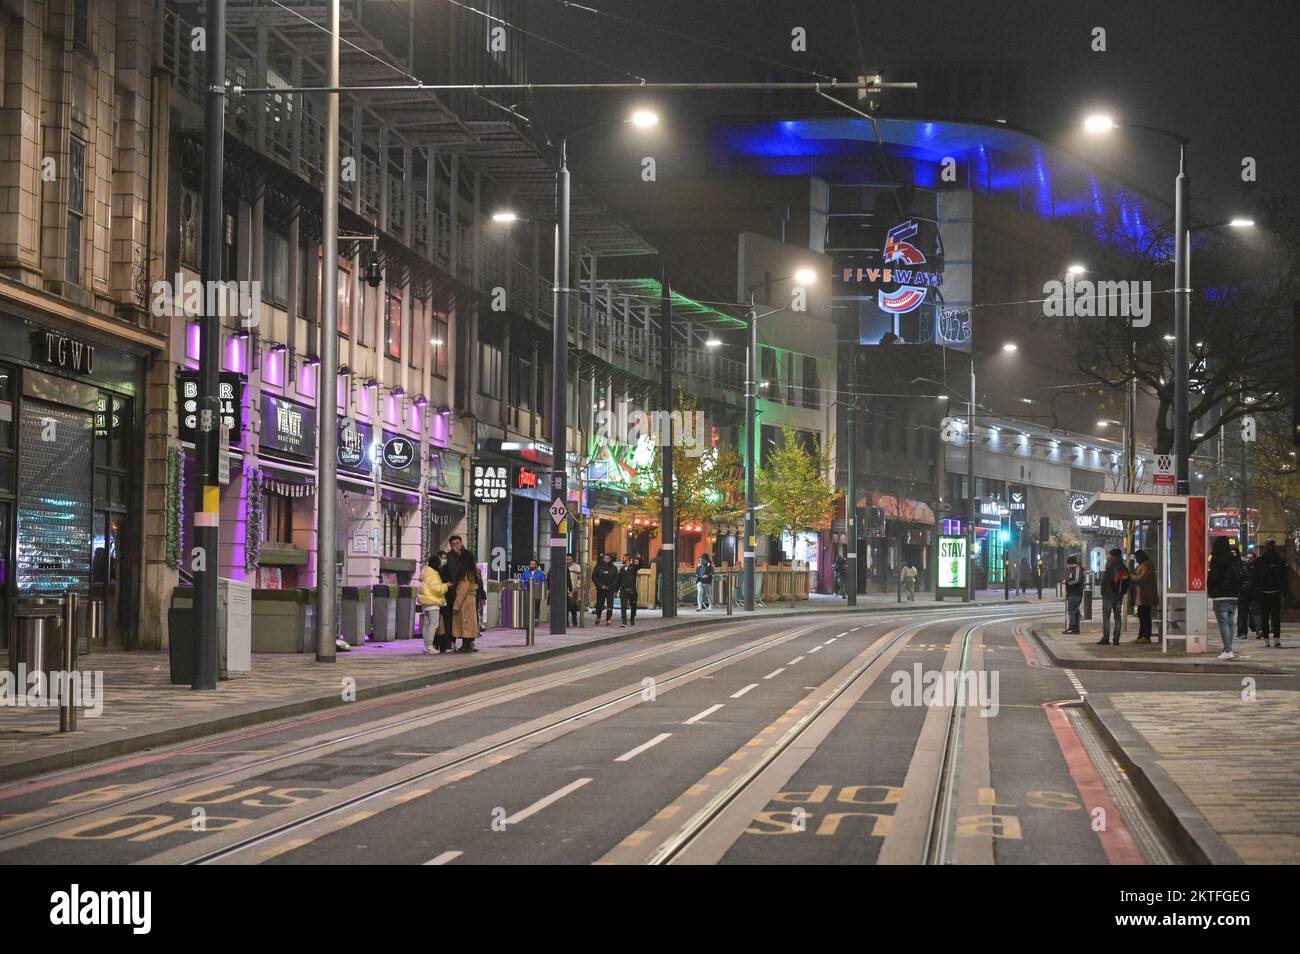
(530, 623)
(67, 712)
(726, 580)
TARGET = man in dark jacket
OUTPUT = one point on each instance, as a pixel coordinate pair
(1248, 600)
(1073, 594)
(1271, 581)
(1114, 584)
(605, 578)
(627, 588)
(704, 583)
(458, 559)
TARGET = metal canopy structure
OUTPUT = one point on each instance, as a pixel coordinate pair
(501, 150)
(686, 309)
(1169, 511)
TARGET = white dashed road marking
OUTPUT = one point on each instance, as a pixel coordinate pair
(700, 715)
(630, 754)
(550, 799)
(737, 695)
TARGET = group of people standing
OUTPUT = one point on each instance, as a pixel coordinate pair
(610, 580)
(1239, 586)
(451, 596)
(1116, 582)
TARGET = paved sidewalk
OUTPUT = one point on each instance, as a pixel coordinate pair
(1084, 652)
(143, 710)
(1220, 769)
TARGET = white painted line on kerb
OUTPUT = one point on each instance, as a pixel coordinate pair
(550, 799)
(815, 649)
(795, 660)
(737, 695)
(1074, 681)
(775, 672)
(700, 715)
(630, 754)
(444, 858)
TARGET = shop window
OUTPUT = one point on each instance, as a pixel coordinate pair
(393, 326)
(277, 521)
(392, 531)
(438, 346)
(76, 207)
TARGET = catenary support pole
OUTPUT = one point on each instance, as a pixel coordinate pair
(560, 395)
(751, 443)
(1182, 304)
(668, 527)
(327, 388)
(851, 491)
(205, 560)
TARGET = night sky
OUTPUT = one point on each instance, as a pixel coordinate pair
(1226, 75)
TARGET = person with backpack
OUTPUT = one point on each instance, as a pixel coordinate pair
(1114, 584)
(1224, 584)
(1073, 594)
(605, 578)
(1271, 581)
(1146, 593)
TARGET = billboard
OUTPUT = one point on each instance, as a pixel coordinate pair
(952, 563)
(895, 267)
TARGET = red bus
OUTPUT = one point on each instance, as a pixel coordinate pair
(1225, 522)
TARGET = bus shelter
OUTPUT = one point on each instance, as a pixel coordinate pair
(1181, 563)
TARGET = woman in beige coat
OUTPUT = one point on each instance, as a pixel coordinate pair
(464, 609)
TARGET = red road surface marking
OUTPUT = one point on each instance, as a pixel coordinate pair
(1116, 840)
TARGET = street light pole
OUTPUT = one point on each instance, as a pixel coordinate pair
(851, 498)
(1182, 303)
(970, 484)
(668, 534)
(327, 370)
(751, 441)
(207, 489)
(560, 392)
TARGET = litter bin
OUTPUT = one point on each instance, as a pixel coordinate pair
(383, 612)
(1087, 603)
(352, 615)
(37, 639)
(181, 650)
(405, 628)
(513, 595)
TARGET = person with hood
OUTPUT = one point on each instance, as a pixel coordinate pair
(464, 610)
(1248, 601)
(1073, 594)
(1146, 593)
(627, 588)
(704, 583)
(1224, 584)
(1272, 579)
(605, 578)
(1114, 584)
(432, 597)
(573, 586)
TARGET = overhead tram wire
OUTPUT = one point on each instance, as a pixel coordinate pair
(642, 25)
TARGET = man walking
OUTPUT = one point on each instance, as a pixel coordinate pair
(627, 578)
(1073, 594)
(704, 583)
(605, 578)
(1114, 584)
(909, 582)
(1271, 581)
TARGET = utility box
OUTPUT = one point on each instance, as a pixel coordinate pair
(353, 616)
(235, 624)
(405, 628)
(383, 612)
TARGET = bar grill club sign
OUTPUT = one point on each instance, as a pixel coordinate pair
(230, 390)
(489, 482)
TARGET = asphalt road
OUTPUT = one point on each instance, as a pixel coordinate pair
(814, 740)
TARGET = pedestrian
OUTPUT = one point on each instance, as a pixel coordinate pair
(1073, 594)
(627, 578)
(1025, 575)
(465, 608)
(605, 578)
(1114, 584)
(1224, 582)
(432, 597)
(704, 583)
(573, 586)
(1272, 579)
(1248, 600)
(535, 578)
(909, 582)
(841, 576)
(451, 570)
(1146, 593)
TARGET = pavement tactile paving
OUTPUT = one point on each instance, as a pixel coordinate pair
(1237, 761)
